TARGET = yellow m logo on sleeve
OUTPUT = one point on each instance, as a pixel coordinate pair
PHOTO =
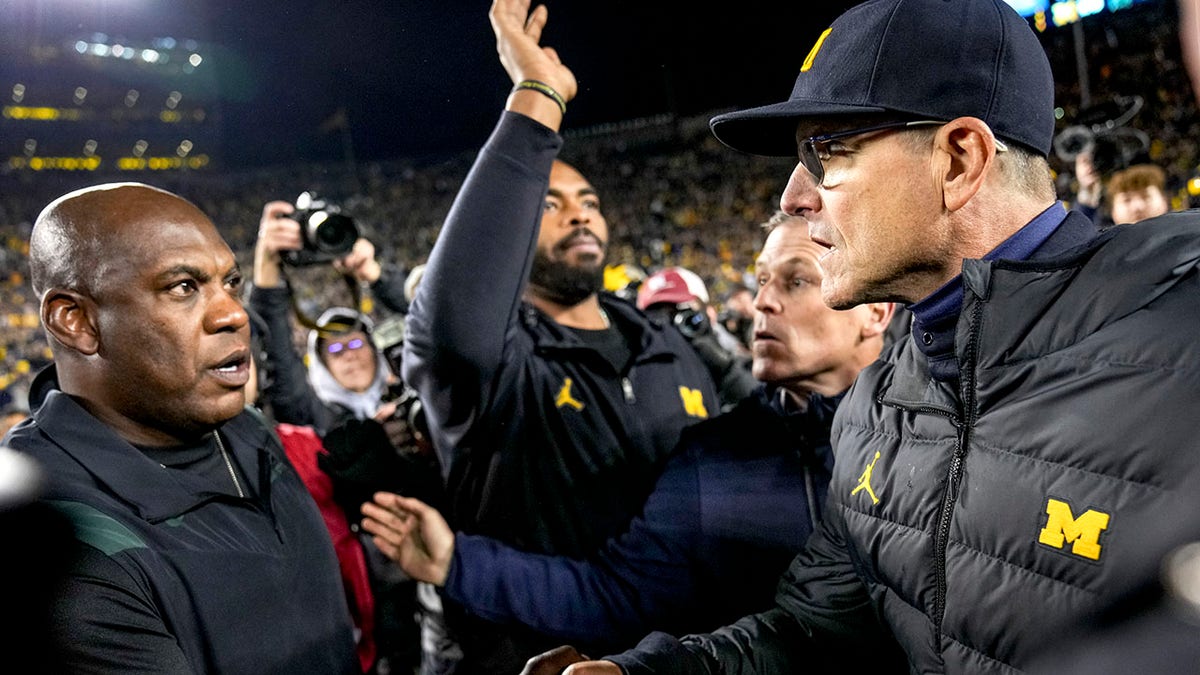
(1083, 532)
(693, 402)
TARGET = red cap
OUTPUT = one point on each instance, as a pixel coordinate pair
(673, 285)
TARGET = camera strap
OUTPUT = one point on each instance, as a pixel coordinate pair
(310, 323)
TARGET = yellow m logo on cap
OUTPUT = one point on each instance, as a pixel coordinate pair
(1083, 532)
(808, 60)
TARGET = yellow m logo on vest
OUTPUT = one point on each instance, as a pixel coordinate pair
(564, 396)
(812, 54)
(693, 402)
(1083, 532)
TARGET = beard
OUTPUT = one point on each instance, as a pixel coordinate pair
(561, 282)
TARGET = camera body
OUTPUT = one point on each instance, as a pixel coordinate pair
(326, 233)
(1101, 131)
(692, 322)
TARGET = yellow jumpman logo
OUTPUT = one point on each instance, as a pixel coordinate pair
(564, 396)
(864, 481)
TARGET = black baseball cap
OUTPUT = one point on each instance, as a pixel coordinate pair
(928, 59)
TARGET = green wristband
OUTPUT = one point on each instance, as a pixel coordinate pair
(544, 89)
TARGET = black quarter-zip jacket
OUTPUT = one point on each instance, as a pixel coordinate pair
(546, 446)
(179, 576)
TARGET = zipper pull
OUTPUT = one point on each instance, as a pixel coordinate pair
(627, 387)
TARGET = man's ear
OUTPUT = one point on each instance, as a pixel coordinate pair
(970, 147)
(880, 315)
(69, 316)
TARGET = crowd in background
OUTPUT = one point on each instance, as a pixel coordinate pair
(674, 195)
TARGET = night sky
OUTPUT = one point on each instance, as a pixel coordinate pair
(423, 77)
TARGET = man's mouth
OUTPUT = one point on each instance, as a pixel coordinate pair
(580, 239)
(760, 335)
(234, 371)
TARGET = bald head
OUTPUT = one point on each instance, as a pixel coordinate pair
(75, 237)
(140, 297)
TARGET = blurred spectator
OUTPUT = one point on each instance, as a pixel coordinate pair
(1136, 193)
(12, 412)
(353, 401)
(346, 376)
(738, 315)
(677, 297)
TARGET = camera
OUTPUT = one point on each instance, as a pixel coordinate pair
(691, 322)
(1101, 131)
(327, 234)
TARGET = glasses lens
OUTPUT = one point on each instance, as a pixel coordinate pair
(810, 160)
(334, 347)
(356, 343)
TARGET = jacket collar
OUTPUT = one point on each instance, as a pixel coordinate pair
(1078, 282)
(153, 492)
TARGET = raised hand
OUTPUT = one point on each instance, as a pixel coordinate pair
(518, 34)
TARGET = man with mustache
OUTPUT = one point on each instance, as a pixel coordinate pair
(201, 550)
(551, 406)
(733, 506)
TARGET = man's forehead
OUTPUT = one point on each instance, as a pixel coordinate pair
(790, 244)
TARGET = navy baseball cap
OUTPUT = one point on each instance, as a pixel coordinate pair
(930, 59)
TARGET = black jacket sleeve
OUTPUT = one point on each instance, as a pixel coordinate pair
(823, 616)
(460, 323)
(289, 395)
(388, 289)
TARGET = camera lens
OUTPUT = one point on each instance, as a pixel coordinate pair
(691, 322)
(332, 233)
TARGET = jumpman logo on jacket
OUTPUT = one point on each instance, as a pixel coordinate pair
(864, 481)
(564, 396)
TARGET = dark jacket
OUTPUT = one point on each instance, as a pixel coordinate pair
(974, 524)
(723, 522)
(178, 577)
(547, 447)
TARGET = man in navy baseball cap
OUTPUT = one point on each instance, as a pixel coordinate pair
(989, 468)
(915, 59)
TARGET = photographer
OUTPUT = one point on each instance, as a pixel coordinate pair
(676, 296)
(346, 376)
(349, 395)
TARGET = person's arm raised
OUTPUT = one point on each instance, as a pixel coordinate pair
(518, 34)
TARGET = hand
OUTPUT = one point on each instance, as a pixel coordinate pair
(276, 232)
(411, 534)
(594, 668)
(360, 262)
(384, 412)
(553, 661)
(518, 32)
(1089, 180)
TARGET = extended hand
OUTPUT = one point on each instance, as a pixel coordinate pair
(412, 534)
(554, 661)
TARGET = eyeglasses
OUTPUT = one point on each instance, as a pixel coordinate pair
(814, 150)
(339, 348)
